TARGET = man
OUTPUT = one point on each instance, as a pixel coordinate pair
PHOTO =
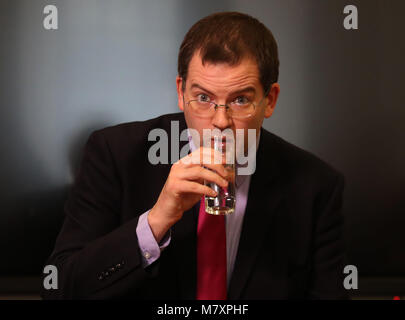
(134, 229)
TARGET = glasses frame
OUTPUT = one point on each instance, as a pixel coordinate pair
(216, 105)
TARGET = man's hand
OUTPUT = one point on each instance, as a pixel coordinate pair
(184, 187)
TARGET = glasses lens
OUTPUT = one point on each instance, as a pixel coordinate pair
(202, 109)
(242, 110)
(207, 109)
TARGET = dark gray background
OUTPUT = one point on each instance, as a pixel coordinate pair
(115, 61)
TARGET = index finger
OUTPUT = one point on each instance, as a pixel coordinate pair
(209, 158)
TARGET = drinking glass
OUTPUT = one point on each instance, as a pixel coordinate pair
(224, 202)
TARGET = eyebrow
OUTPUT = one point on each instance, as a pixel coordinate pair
(242, 90)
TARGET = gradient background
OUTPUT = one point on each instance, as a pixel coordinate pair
(115, 61)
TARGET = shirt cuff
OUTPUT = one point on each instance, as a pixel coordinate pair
(150, 249)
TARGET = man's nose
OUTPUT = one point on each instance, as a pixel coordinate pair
(222, 118)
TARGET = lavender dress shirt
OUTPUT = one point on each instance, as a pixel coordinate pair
(151, 249)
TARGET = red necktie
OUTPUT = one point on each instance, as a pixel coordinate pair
(211, 256)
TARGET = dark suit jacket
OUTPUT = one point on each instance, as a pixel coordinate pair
(290, 246)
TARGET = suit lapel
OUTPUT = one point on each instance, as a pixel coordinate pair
(263, 200)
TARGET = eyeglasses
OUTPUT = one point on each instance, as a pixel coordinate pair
(237, 109)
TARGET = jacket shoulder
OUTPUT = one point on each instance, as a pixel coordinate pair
(296, 162)
(129, 143)
(141, 128)
(129, 136)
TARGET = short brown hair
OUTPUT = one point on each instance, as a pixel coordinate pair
(229, 37)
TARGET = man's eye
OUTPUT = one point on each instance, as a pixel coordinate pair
(241, 100)
(203, 98)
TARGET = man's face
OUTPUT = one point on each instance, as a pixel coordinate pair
(223, 84)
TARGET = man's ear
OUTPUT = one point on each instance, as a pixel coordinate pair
(271, 100)
(179, 86)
